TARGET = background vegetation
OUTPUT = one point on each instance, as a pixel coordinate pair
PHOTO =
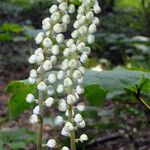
(118, 106)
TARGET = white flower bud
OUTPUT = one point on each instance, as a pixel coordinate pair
(59, 1)
(70, 42)
(91, 39)
(81, 124)
(83, 138)
(36, 110)
(78, 118)
(57, 28)
(33, 59)
(60, 38)
(51, 143)
(73, 48)
(46, 26)
(47, 65)
(60, 88)
(97, 9)
(33, 73)
(55, 16)
(30, 98)
(95, 21)
(60, 75)
(59, 120)
(66, 52)
(92, 28)
(62, 105)
(33, 119)
(65, 133)
(81, 46)
(68, 82)
(72, 64)
(82, 69)
(53, 59)
(71, 99)
(67, 113)
(50, 90)
(65, 148)
(53, 9)
(83, 58)
(82, 30)
(79, 90)
(71, 8)
(81, 19)
(76, 24)
(87, 50)
(49, 101)
(68, 127)
(75, 34)
(81, 107)
(63, 6)
(42, 86)
(76, 74)
(39, 51)
(51, 78)
(47, 42)
(90, 15)
(55, 50)
(39, 38)
(31, 80)
(66, 19)
(64, 65)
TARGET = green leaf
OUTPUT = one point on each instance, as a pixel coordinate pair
(17, 103)
(95, 95)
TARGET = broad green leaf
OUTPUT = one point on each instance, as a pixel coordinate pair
(95, 95)
(17, 103)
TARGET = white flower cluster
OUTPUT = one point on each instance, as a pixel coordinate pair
(76, 54)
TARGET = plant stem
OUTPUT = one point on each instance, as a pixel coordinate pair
(40, 126)
(72, 134)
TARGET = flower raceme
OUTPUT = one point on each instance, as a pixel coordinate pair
(71, 71)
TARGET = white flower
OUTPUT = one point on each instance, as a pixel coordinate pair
(83, 137)
(73, 64)
(81, 19)
(79, 89)
(63, 6)
(33, 59)
(65, 148)
(57, 28)
(50, 90)
(49, 101)
(47, 42)
(60, 88)
(39, 38)
(82, 30)
(53, 59)
(33, 119)
(30, 98)
(33, 73)
(95, 21)
(68, 82)
(55, 50)
(51, 143)
(51, 78)
(71, 99)
(91, 39)
(76, 74)
(40, 58)
(53, 9)
(92, 28)
(67, 113)
(46, 20)
(60, 75)
(55, 16)
(46, 26)
(47, 65)
(73, 48)
(69, 42)
(68, 127)
(87, 50)
(81, 46)
(42, 86)
(80, 81)
(90, 15)
(66, 52)
(31, 80)
(65, 133)
(66, 19)
(81, 107)
(59, 120)
(62, 105)
(60, 38)
(78, 118)
(75, 34)
(71, 8)
(83, 58)
(64, 65)
(97, 9)
(59, 1)
(82, 69)
(81, 124)
(38, 51)
(76, 24)
(36, 110)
